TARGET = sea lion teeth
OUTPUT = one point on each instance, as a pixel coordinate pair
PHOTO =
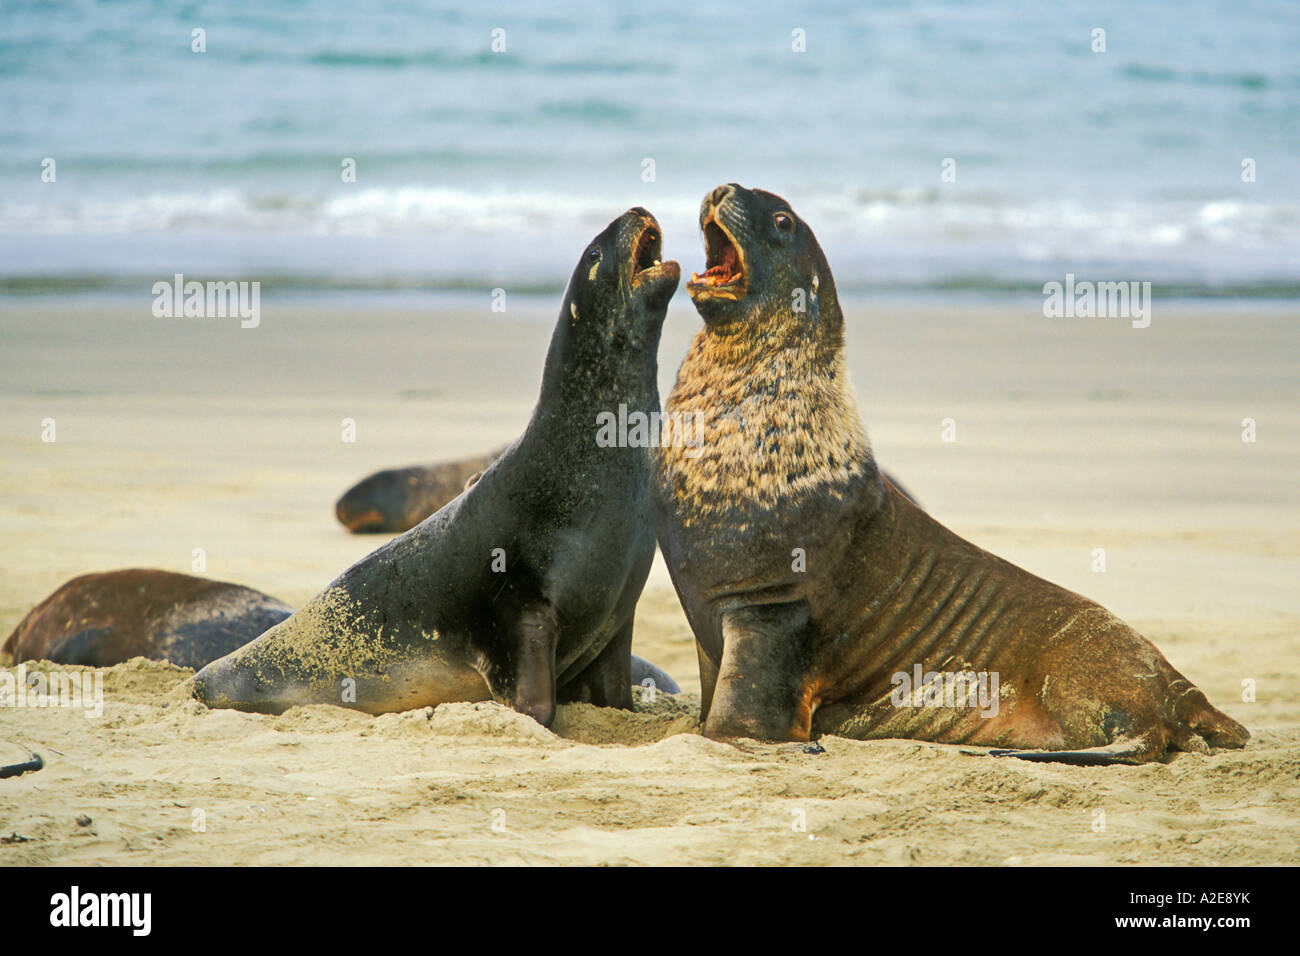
(524, 587)
(816, 590)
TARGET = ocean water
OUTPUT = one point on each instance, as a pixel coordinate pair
(478, 168)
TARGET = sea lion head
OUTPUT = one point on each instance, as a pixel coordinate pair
(763, 266)
(380, 502)
(620, 277)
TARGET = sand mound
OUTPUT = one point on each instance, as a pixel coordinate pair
(664, 716)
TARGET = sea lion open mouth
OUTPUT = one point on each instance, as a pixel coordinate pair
(646, 250)
(724, 274)
(648, 246)
(651, 280)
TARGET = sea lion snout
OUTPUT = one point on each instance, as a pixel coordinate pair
(376, 503)
(210, 683)
(227, 683)
(715, 198)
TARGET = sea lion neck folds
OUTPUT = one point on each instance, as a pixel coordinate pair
(818, 593)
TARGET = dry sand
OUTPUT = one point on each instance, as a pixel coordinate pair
(1071, 435)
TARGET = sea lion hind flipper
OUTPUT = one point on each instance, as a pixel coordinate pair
(644, 670)
(33, 762)
(1130, 750)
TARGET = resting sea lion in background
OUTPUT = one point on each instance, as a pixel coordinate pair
(103, 619)
(397, 499)
(522, 588)
(815, 589)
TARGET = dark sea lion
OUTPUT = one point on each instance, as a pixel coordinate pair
(397, 499)
(523, 588)
(98, 620)
(830, 643)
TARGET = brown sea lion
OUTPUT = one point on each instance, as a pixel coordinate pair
(818, 594)
(397, 499)
(98, 620)
(523, 588)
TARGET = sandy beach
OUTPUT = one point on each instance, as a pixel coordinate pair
(1071, 435)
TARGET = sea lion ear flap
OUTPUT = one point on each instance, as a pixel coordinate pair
(815, 301)
(823, 287)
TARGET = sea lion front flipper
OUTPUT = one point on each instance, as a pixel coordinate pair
(535, 632)
(762, 680)
(708, 681)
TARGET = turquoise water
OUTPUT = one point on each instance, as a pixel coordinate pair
(478, 168)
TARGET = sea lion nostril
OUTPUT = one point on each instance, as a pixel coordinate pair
(721, 193)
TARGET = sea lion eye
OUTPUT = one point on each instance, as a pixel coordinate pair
(593, 254)
(784, 222)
